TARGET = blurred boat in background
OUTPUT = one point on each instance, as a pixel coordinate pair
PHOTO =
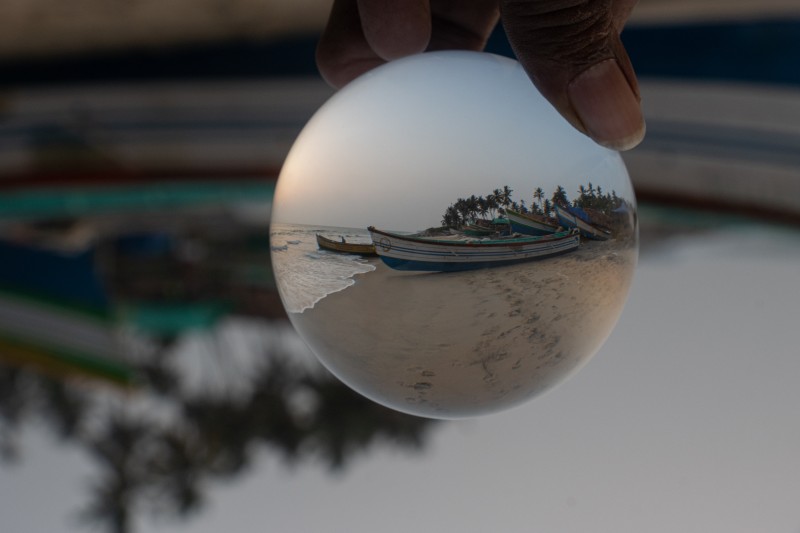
(55, 314)
(723, 122)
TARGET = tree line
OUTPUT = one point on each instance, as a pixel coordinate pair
(474, 208)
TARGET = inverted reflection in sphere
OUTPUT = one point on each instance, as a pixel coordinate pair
(445, 242)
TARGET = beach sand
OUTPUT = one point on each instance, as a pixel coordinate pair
(450, 345)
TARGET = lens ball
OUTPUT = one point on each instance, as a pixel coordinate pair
(445, 242)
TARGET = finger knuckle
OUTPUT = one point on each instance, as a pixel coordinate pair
(561, 31)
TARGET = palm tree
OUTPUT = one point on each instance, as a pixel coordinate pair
(507, 195)
(560, 196)
(538, 196)
(483, 207)
(491, 204)
(548, 207)
(463, 210)
(498, 197)
(473, 207)
(450, 217)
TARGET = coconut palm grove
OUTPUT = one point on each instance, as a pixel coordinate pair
(485, 209)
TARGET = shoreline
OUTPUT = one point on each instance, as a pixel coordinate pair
(468, 342)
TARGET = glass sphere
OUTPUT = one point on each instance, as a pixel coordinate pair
(445, 242)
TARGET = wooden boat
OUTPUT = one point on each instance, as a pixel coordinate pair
(478, 231)
(403, 252)
(529, 225)
(345, 247)
(570, 220)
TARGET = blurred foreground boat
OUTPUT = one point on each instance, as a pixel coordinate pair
(344, 246)
(529, 225)
(404, 252)
(56, 317)
(570, 219)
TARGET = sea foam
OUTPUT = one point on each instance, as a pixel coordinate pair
(304, 273)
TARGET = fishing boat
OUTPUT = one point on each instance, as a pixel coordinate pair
(478, 231)
(529, 225)
(342, 246)
(588, 230)
(406, 252)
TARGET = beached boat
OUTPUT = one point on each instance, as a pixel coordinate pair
(588, 230)
(529, 225)
(342, 246)
(405, 252)
(478, 231)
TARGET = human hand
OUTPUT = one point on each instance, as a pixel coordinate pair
(570, 49)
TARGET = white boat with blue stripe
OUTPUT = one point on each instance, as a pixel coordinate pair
(427, 254)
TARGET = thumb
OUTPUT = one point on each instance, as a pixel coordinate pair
(572, 52)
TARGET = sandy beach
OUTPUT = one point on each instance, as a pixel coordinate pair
(450, 345)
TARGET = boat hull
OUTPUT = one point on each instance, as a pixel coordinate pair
(527, 225)
(587, 230)
(478, 231)
(428, 255)
(345, 247)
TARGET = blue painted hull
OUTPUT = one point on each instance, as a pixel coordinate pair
(432, 266)
(414, 253)
(587, 230)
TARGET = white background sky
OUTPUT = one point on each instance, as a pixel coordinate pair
(685, 421)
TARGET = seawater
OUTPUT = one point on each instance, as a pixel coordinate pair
(304, 273)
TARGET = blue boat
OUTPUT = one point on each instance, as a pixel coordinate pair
(570, 219)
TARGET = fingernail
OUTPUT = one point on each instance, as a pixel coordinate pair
(607, 106)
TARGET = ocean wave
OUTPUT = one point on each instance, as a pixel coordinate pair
(304, 274)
